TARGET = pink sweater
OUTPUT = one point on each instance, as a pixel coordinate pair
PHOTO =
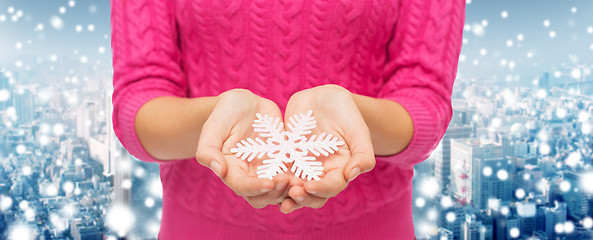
(402, 50)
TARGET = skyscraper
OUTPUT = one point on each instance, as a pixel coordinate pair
(577, 201)
(24, 105)
(491, 179)
(473, 229)
(527, 216)
(553, 216)
(442, 164)
(453, 217)
(463, 155)
(84, 121)
(544, 80)
(4, 93)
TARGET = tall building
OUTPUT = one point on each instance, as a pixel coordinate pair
(442, 164)
(24, 105)
(453, 217)
(122, 179)
(462, 116)
(527, 215)
(463, 155)
(111, 140)
(504, 225)
(544, 80)
(104, 146)
(577, 201)
(4, 90)
(553, 216)
(491, 178)
(84, 121)
(445, 234)
(473, 229)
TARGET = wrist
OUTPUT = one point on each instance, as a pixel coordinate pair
(389, 123)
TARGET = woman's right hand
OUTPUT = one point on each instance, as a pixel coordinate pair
(230, 122)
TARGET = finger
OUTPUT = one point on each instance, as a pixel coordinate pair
(274, 196)
(359, 162)
(328, 186)
(212, 158)
(209, 151)
(288, 205)
(295, 181)
(245, 185)
(302, 198)
(361, 151)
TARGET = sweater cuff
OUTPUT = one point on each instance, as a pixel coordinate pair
(124, 122)
(428, 131)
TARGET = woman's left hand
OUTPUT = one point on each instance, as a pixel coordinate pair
(336, 113)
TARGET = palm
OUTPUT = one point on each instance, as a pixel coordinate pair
(336, 114)
(325, 124)
(230, 122)
(240, 131)
(329, 118)
(240, 127)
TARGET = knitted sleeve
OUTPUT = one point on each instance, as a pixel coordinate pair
(146, 63)
(421, 68)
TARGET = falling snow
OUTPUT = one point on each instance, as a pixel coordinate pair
(546, 23)
(20, 232)
(502, 174)
(520, 37)
(520, 193)
(587, 223)
(120, 219)
(56, 22)
(565, 186)
(514, 232)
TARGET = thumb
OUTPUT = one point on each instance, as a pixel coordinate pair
(360, 162)
(209, 151)
(211, 157)
(362, 154)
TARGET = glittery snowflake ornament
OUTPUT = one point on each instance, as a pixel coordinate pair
(287, 146)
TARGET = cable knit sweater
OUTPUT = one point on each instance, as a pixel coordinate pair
(402, 50)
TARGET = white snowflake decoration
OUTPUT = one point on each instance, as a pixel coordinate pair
(287, 146)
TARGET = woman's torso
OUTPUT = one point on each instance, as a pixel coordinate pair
(276, 48)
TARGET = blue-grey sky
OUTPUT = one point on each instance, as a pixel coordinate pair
(520, 44)
(555, 32)
(53, 39)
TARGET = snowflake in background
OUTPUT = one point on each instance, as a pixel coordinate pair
(287, 146)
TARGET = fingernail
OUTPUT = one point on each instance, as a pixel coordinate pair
(299, 198)
(353, 173)
(216, 168)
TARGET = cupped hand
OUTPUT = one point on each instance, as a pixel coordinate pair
(231, 121)
(336, 113)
